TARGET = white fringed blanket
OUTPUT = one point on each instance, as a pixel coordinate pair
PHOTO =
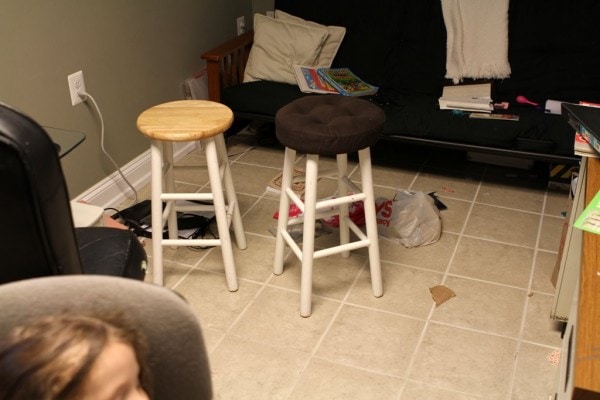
(477, 33)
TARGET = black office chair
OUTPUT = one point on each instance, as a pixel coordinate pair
(37, 236)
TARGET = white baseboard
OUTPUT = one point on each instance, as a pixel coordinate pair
(113, 190)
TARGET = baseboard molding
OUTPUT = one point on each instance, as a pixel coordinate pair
(113, 190)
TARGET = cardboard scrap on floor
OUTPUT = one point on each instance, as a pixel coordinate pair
(274, 184)
(441, 294)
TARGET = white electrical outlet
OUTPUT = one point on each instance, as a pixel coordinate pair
(241, 25)
(76, 84)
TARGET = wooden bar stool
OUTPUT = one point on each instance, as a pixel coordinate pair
(328, 125)
(182, 121)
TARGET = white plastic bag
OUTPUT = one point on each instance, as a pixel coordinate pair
(411, 219)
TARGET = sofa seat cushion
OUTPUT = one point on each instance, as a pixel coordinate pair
(419, 116)
(259, 99)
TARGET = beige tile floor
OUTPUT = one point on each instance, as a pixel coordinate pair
(492, 341)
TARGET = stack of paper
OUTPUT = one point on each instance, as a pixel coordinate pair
(475, 97)
(581, 147)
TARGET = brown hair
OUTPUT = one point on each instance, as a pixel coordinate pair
(50, 358)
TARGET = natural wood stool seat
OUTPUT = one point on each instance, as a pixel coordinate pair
(191, 120)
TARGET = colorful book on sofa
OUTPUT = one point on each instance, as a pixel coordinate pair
(346, 82)
(309, 80)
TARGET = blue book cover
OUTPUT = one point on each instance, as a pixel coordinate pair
(346, 82)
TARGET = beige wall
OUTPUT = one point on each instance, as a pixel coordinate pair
(261, 6)
(133, 54)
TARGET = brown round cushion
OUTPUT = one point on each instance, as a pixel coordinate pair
(329, 124)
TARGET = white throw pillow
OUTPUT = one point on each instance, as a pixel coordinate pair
(332, 43)
(278, 45)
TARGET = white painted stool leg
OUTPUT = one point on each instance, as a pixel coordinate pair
(156, 160)
(238, 227)
(284, 206)
(308, 236)
(342, 167)
(364, 157)
(212, 163)
(169, 187)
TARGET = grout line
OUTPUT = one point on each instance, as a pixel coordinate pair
(342, 303)
(534, 247)
(527, 298)
(328, 327)
(466, 394)
(421, 338)
(420, 168)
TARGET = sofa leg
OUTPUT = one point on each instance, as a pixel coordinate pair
(265, 134)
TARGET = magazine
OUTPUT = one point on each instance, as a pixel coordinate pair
(331, 80)
(503, 117)
(309, 80)
(346, 82)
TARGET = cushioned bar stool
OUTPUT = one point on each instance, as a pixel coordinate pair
(328, 125)
(191, 120)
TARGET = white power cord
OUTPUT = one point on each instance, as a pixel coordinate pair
(86, 95)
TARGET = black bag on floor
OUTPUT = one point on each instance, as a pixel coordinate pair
(190, 226)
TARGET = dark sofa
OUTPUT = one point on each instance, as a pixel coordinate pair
(400, 46)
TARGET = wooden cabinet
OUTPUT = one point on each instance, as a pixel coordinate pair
(580, 359)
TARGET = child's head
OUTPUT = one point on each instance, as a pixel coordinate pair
(73, 357)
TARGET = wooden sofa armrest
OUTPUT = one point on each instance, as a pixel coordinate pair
(226, 63)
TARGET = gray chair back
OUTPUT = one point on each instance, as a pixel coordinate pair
(178, 358)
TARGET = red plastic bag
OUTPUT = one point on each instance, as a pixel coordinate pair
(293, 212)
(356, 212)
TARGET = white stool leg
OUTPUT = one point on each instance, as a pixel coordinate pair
(238, 227)
(342, 167)
(284, 206)
(156, 157)
(308, 235)
(169, 187)
(364, 157)
(212, 163)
